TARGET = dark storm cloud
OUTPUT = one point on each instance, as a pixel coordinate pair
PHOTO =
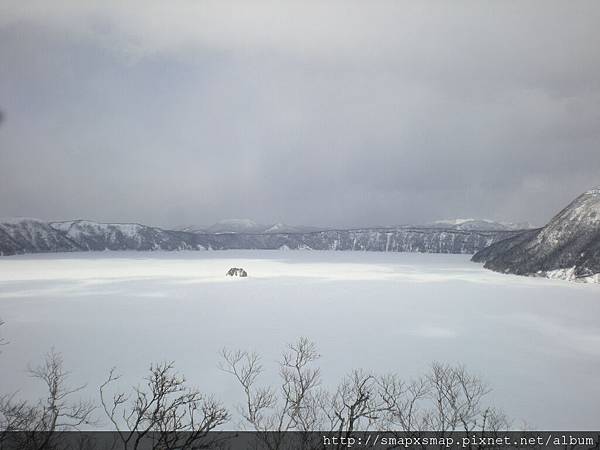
(331, 113)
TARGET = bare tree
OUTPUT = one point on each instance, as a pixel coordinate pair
(355, 404)
(299, 403)
(246, 368)
(41, 423)
(457, 399)
(294, 406)
(299, 382)
(160, 410)
(449, 398)
(164, 412)
(405, 402)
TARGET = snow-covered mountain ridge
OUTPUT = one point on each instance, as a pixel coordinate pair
(26, 235)
(35, 236)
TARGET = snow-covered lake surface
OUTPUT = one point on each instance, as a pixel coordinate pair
(536, 341)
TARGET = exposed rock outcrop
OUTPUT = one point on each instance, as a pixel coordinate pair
(237, 272)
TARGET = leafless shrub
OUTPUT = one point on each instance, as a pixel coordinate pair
(160, 410)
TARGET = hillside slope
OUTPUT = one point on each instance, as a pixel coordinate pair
(123, 236)
(24, 235)
(567, 247)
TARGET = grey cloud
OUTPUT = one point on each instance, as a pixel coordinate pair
(330, 113)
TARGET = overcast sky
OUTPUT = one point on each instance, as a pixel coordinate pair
(339, 113)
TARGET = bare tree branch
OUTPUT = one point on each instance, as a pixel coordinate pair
(163, 407)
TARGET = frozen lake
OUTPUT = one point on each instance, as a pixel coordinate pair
(536, 341)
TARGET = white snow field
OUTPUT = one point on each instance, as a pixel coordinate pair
(536, 341)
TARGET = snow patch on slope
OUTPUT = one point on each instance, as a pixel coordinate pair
(569, 274)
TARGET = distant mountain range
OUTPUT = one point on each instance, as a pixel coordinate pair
(568, 247)
(479, 224)
(247, 226)
(35, 236)
(250, 226)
